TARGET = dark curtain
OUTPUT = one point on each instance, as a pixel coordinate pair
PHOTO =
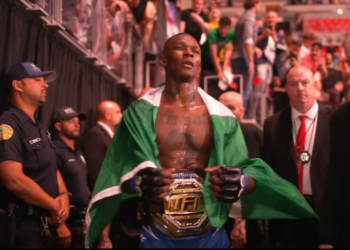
(24, 37)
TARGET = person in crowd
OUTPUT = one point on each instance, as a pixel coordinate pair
(336, 203)
(315, 61)
(250, 233)
(308, 40)
(218, 38)
(95, 144)
(175, 132)
(214, 17)
(115, 33)
(194, 21)
(297, 147)
(34, 199)
(290, 58)
(332, 48)
(272, 45)
(72, 166)
(333, 83)
(240, 57)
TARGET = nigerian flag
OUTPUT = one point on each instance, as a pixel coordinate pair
(134, 148)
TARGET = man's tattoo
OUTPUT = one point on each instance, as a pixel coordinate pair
(182, 120)
(178, 138)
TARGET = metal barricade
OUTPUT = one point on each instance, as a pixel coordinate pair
(212, 77)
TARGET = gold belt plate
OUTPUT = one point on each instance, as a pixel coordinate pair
(183, 211)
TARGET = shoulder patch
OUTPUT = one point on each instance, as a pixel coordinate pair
(6, 132)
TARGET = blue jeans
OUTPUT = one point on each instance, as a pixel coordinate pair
(153, 238)
(240, 67)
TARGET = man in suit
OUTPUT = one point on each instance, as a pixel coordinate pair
(336, 219)
(251, 234)
(297, 147)
(268, 66)
(95, 144)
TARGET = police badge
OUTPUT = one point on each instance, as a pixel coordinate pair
(304, 157)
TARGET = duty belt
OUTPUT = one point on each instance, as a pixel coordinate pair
(182, 212)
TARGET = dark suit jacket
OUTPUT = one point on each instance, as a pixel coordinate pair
(278, 150)
(95, 144)
(253, 138)
(336, 202)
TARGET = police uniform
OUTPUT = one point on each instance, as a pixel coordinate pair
(72, 166)
(25, 141)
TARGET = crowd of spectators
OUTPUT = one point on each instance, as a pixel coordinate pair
(250, 46)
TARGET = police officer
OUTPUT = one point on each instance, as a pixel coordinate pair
(71, 164)
(33, 195)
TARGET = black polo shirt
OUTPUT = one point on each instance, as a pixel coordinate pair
(72, 166)
(25, 141)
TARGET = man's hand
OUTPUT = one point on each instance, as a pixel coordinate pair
(105, 243)
(64, 212)
(152, 184)
(238, 234)
(251, 68)
(221, 76)
(64, 236)
(196, 18)
(258, 52)
(268, 32)
(227, 183)
(325, 247)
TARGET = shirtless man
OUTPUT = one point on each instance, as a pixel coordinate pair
(185, 142)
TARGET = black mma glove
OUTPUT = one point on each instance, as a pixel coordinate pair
(228, 183)
(151, 184)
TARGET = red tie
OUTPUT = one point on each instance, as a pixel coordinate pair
(301, 142)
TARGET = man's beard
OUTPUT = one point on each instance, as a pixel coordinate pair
(70, 136)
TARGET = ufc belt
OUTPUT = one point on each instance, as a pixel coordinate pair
(182, 212)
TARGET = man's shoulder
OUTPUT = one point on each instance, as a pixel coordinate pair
(342, 113)
(10, 119)
(95, 130)
(214, 106)
(250, 129)
(276, 118)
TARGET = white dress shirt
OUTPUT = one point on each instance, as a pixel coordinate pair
(311, 126)
(106, 128)
(270, 50)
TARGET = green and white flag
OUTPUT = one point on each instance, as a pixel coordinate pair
(134, 148)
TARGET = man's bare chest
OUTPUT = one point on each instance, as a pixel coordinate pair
(184, 129)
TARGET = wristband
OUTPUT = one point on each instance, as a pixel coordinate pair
(245, 182)
(132, 184)
(67, 193)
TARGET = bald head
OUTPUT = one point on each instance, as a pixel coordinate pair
(173, 39)
(233, 101)
(271, 18)
(143, 92)
(299, 70)
(109, 113)
(301, 88)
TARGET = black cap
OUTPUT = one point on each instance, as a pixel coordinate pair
(66, 113)
(26, 70)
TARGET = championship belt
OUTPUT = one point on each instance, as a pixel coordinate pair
(182, 212)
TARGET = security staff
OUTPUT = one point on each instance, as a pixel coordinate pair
(71, 164)
(34, 197)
